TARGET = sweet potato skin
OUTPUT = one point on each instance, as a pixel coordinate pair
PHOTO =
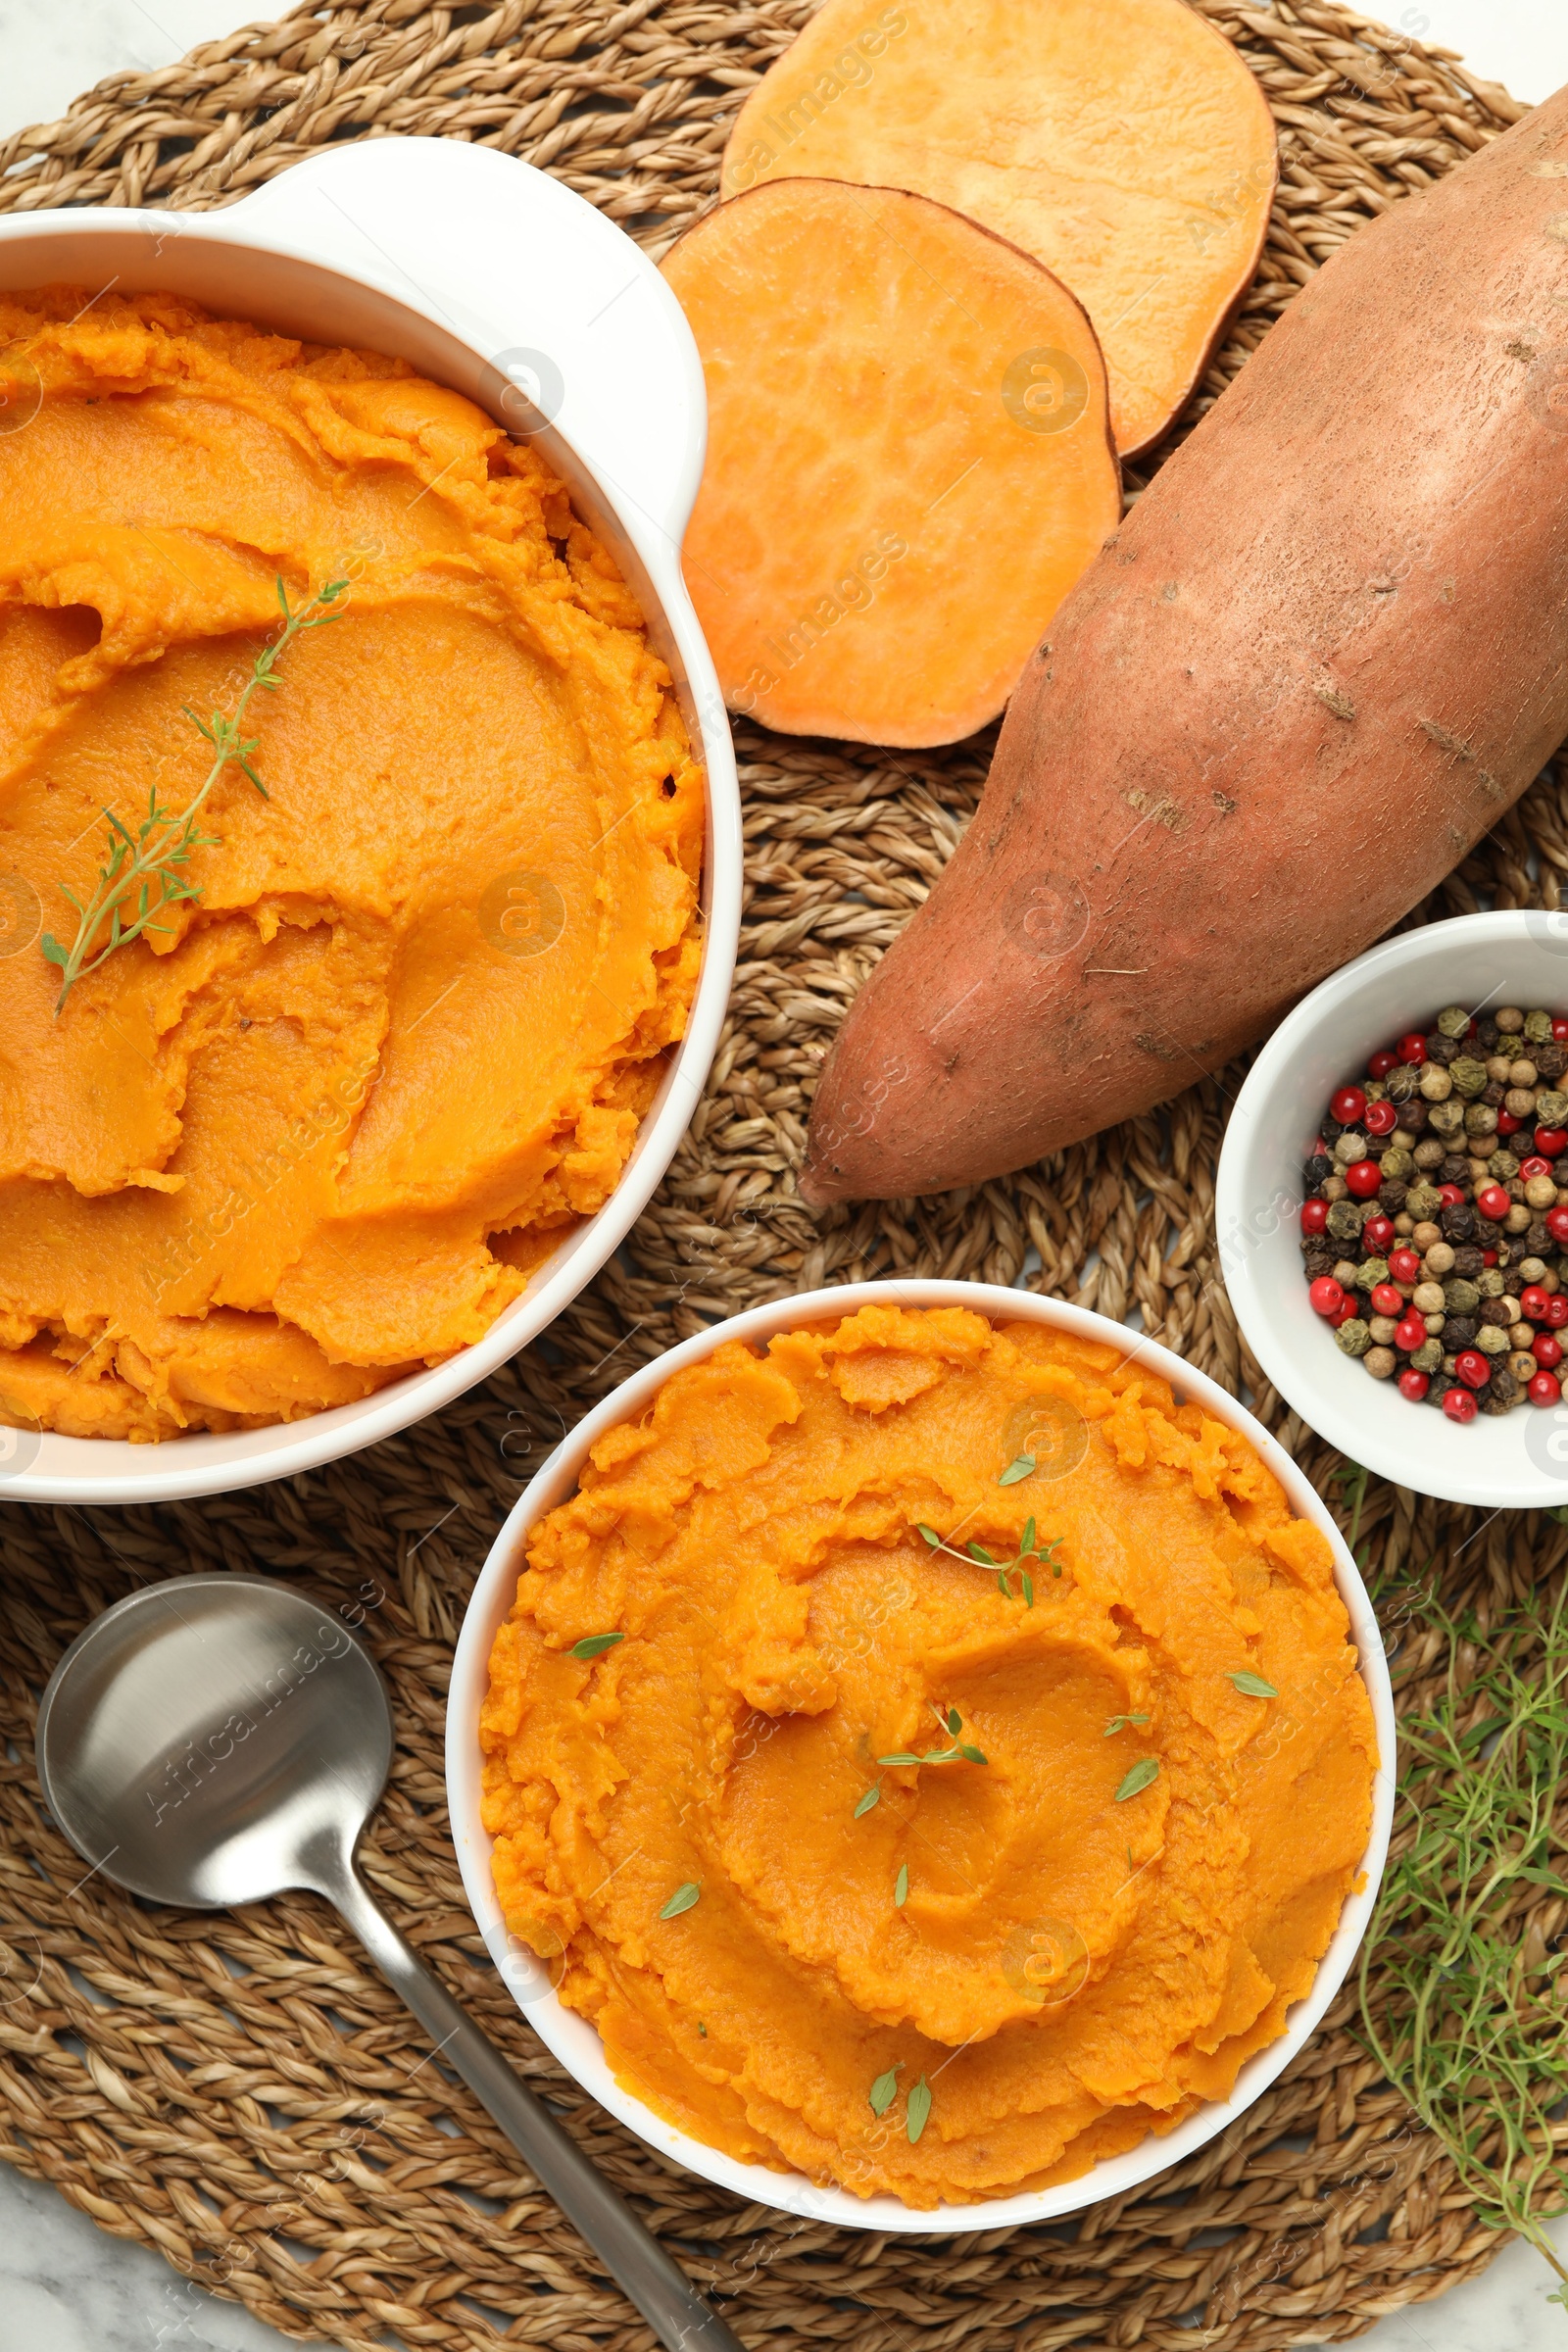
(1324, 653)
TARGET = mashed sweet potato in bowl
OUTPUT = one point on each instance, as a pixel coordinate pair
(377, 1093)
(922, 1756)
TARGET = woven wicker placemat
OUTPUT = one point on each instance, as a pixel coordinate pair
(242, 2091)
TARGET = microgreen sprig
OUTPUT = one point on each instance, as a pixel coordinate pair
(143, 873)
(1029, 1548)
(1119, 1723)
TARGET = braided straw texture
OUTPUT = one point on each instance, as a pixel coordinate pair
(241, 2091)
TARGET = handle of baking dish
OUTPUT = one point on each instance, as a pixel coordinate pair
(576, 324)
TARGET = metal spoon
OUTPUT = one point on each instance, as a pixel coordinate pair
(215, 1740)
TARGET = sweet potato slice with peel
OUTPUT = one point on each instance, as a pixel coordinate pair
(1121, 142)
(908, 461)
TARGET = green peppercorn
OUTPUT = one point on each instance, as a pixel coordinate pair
(1538, 1028)
(1552, 1109)
(1490, 1283)
(1460, 1298)
(1399, 1163)
(1453, 1022)
(1491, 1341)
(1469, 1076)
(1353, 1336)
(1370, 1272)
(1421, 1202)
(1345, 1221)
(1504, 1166)
(1479, 1119)
(1428, 1356)
(1447, 1118)
(1402, 1082)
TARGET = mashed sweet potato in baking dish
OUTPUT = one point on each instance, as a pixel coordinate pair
(316, 1129)
(870, 1860)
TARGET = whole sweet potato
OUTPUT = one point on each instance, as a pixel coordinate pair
(1324, 653)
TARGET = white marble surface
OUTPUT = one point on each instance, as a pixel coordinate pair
(65, 2287)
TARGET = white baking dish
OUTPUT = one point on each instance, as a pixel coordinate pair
(495, 279)
(574, 2040)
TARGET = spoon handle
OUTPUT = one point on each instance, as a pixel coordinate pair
(676, 2313)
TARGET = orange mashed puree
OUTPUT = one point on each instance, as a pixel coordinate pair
(1051, 1952)
(319, 1130)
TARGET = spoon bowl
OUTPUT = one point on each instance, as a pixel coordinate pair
(208, 1739)
(218, 1740)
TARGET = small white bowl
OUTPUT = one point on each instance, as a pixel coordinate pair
(1518, 1461)
(576, 2044)
(495, 279)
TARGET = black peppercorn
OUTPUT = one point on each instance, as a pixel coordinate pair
(1494, 1311)
(1459, 1221)
(1319, 1260)
(1412, 1117)
(1390, 1196)
(1540, 1241)
(1332, 1132)
(1468, 1263)
(1484, 1040)
(1441, 1383)
(1492, 1092)
(1458, 1332)
(1318, 1169)
(1513, 1282)
(1456, 1169)
(1487, 1234)
(1550, 1059)
(1443, 1050)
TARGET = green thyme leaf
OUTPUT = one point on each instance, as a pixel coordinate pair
(899, 1760)
(953, 1720)
(973, 1754)
(1026, 1541)
(884, 2091)
(1117, 1722)
(919, 2109)
(1022, 1465)
(978, 1551)
(593, 1646)
(872, 1797)
(901, 1885)
(929, 1533)
(1146, 1769)
(681, 1901)
(1028, 1582)
(1252, 1686)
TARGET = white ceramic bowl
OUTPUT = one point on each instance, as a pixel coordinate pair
(1514, 1461)
(497, 280)
(574, 2040)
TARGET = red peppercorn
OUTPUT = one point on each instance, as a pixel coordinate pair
(1544, 1388)
(1380, 1064)
(1559, 1030)
(1488, 1258)
(1472, 1367)
(1530, 1168)
(1363, 1176)
(1491, 1200)
(1347, 1106)
(1557, 1310)
(1533, 1302)
(1551, 1141)
(1379, 1231)
(1451, 1195)
(1381, 1119)
(1405, 1265)
(1508, 1124)
(1314, 1215)
(1413, 1048)
(1410, 1332)
(1547, 1349)
(1386, 1300)
(1413, 1384)
(1343, 1314)
(1557, 1224)
(1460, 1404)
(1328, 1296)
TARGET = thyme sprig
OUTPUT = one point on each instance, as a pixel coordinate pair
(1461, 1992)
(1029, 1548)
(952, 1722)
(144, 875)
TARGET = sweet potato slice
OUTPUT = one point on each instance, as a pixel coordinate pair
(1122, 142)
(908, 461)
